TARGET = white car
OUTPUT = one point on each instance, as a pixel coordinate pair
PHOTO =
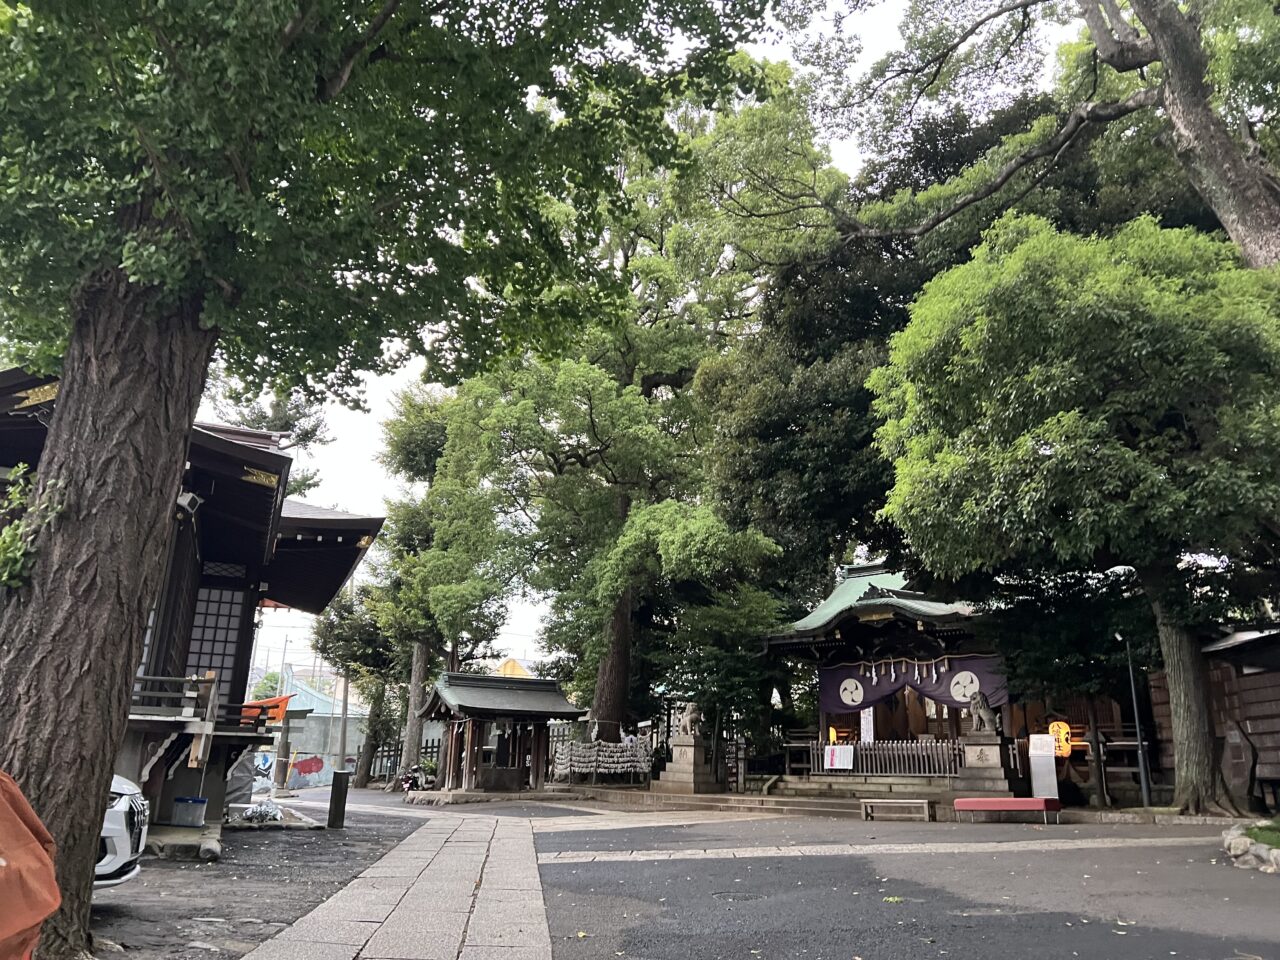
(124, 834)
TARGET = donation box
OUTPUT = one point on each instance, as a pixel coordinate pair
(1044, 765)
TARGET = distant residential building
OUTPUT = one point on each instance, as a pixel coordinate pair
(513, 667)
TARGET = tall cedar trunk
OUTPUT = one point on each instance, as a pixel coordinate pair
(1237, 186)
(117, 442)
(411, 751)
(364, 766)
(1196, 780)
(613, 676)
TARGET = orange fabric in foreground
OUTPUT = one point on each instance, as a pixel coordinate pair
(28, 886)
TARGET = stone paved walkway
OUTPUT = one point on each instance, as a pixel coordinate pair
(457, 889)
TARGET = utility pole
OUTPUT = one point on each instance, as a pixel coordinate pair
(283, 656)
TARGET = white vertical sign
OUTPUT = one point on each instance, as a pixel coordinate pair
(868, 718)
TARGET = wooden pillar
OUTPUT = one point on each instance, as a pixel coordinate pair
(445, 771)
(538, 757)
(452, 754)
(459, 751)
(468, 755)
(544, 754)
(526, 751)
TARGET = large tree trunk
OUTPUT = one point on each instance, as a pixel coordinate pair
(1237, 184)
(613, 676)
(411, 751)
(1197, 783)
(364, 766)
(117, 441)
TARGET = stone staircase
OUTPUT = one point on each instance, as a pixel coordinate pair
(913, 788)
(819, 796)
(941, 789)
(732, 802)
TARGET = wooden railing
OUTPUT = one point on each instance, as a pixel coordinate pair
(188, 697)
(192, 700)
(896, 758)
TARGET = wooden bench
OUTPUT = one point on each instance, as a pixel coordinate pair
(923, 807)
(1044, 805)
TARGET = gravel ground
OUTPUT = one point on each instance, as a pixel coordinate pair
(265, 880)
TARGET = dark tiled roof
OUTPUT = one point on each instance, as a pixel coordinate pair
(262, 439)
(298, 510)
(475, 694)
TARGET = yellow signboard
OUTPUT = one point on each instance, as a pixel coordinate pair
(1061, 734)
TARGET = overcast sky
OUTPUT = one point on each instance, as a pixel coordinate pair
(352, 479)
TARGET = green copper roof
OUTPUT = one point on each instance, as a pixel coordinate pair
(873, 589)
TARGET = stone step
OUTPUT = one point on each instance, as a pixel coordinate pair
(734, 802)
(843, 782)
(860, 789)
(815, 806)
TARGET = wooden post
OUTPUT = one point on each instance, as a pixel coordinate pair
(468, 744)
(453, 751)
(1095, 752)
(538, 758)
(444, 774)
(527, 755)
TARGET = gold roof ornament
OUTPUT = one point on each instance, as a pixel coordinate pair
(34, 396)
(262, 478)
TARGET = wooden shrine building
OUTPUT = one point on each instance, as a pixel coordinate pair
(237, 544)
(897, 673)
(895, 670)
(496, 730)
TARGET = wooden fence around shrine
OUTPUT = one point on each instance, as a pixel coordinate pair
(386, 759)
(895, 758)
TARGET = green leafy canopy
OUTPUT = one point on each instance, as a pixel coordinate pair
(1072, 400)
(334, 184)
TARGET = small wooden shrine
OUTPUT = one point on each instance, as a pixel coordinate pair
(496, 730)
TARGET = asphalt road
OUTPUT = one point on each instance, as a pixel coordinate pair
(1113, 899)
(731, 888)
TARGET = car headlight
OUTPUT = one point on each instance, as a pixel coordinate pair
(112, 799)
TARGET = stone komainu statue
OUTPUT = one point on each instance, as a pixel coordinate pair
(689, 720)
(985, 720)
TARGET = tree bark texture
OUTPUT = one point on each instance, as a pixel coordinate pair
(613, 676)
(364, 766)
(1197, 782)
(1237, 184)
(411, 751)
(112, 463)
